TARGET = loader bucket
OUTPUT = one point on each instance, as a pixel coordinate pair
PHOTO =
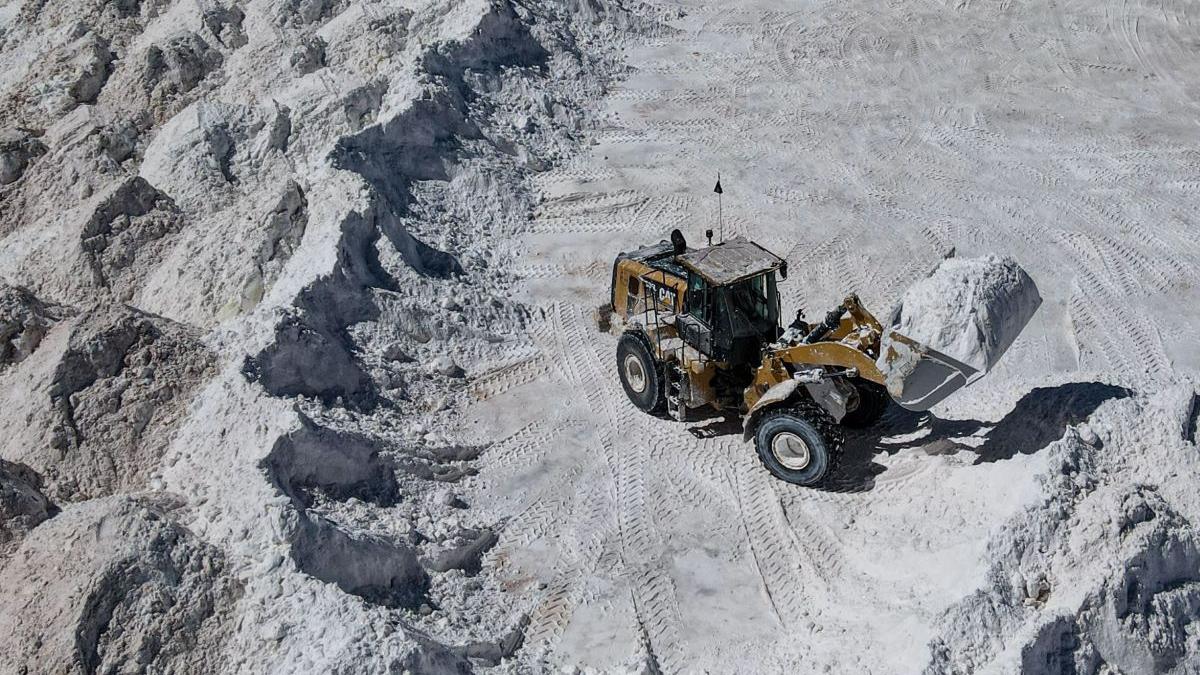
(919, 377)
(971, 310)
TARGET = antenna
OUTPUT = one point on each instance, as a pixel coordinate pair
(720, 222)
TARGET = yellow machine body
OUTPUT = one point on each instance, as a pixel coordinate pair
(701, 328)
(649, 294)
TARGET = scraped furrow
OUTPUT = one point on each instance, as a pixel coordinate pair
(624, 209)
(577, 175)
(583, 204)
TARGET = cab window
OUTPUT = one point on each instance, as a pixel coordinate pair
(698, 300)
(757, 298)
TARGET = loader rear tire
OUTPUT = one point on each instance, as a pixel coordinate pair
(873, 401)
(800, 443)
(641, 374)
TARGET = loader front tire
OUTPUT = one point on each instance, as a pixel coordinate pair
(873, 401)
(641, 374)
(800, 444)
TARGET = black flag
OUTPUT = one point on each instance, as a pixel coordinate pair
(718, 189)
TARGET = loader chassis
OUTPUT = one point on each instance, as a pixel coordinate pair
(702, 329)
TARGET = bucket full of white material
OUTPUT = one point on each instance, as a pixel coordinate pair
(952, 327)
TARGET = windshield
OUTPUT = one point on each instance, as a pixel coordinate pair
(757, 299)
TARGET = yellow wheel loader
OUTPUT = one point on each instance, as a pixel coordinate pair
(701, 328)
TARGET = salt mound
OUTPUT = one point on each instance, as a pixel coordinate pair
(24, 321)
(22, 504)
(111, 583)
(971, 309)
(118, 391)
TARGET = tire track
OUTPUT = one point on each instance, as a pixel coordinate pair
(774, 555)
(518, 447)
(508, 377)
(1100, 311)
(624, 444)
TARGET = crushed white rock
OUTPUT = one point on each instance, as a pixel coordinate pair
(971, 309)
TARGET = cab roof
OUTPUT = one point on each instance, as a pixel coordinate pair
(730, 261)
(660, 256)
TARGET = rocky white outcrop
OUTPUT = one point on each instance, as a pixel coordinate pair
(116, 584)
(235, 236)
(1103, 573)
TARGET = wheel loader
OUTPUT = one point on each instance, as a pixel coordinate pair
(701, 328)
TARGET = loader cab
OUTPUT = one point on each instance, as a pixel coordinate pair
(732, 300)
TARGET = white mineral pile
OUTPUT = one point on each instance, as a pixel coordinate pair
(1100, 574)
(971, 309)
(251, 253)
(115, 584)
(950, 328)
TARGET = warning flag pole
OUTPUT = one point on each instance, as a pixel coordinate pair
(720, 222)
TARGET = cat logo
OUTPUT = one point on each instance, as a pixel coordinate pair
(664, 296)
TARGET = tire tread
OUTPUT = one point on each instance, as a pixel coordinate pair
(831, 432)
(655, 371)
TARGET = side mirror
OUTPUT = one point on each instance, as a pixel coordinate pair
(783, 270)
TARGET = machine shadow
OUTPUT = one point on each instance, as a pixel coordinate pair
(1038, 419)
(717, 424)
